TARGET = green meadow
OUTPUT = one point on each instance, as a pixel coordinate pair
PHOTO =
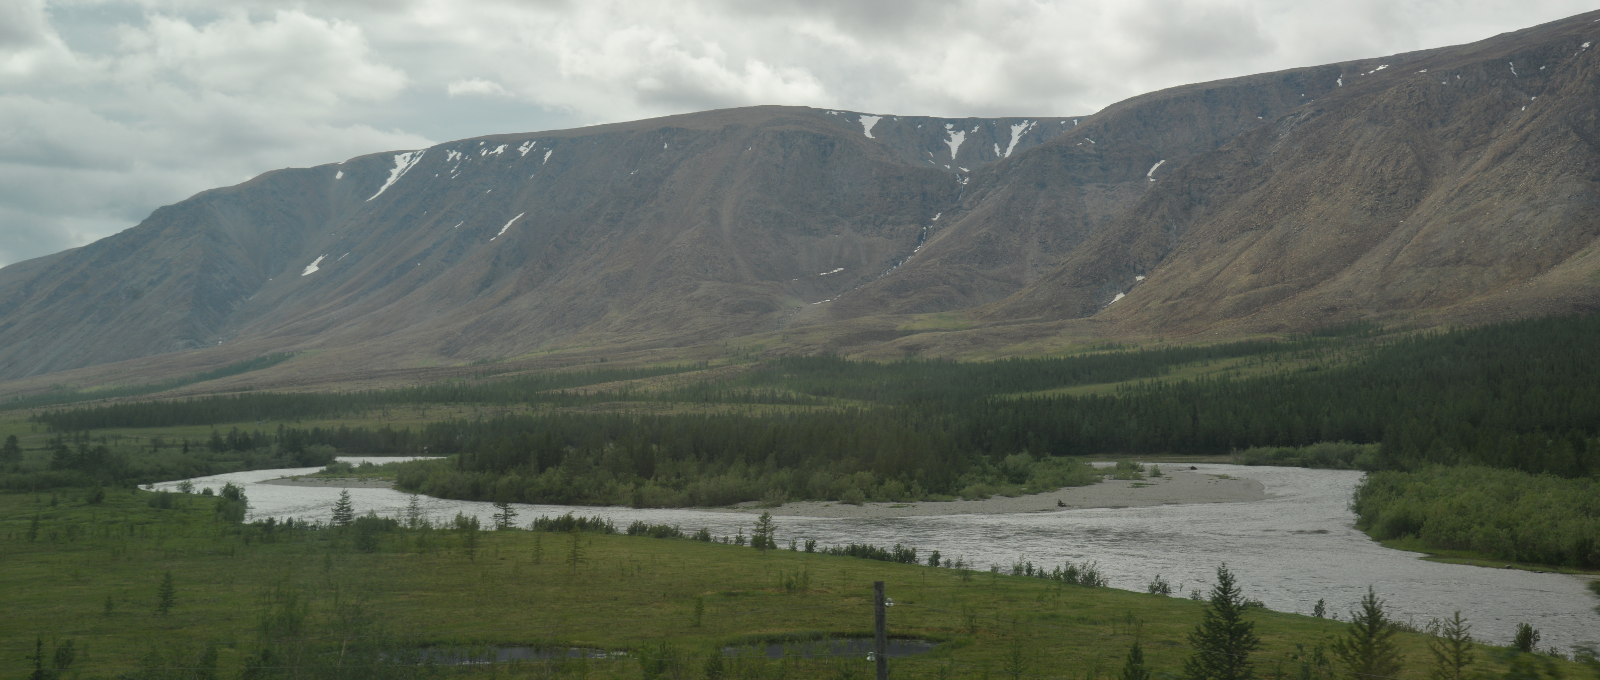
(86, 571)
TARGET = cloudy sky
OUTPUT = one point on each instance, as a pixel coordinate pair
(111, 109)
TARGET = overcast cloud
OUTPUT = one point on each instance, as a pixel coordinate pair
(111, 109)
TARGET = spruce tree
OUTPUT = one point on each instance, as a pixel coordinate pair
(414, 513)
(166, 595)
(468, 527)
(575, 551)
(344, 512)
(761, 537)
(1134, 668)
(504, 516)
(1367, 649)
(11, 452)
(1224, 640)
(1451, 648)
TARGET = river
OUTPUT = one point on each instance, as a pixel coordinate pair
(1297, 546)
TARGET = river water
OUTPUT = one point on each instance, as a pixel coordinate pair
(1297, 546)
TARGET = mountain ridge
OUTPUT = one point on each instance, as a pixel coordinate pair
(1269, 203)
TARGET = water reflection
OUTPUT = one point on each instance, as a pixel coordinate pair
(1288, 551)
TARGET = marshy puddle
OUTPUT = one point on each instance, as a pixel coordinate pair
(472, 656)
(846, 647)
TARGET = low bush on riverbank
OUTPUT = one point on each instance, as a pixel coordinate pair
(1504, 514)
(1322, 455)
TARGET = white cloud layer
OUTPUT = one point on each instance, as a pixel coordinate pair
(110, 109)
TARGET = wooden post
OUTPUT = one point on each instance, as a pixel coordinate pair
(880, 631)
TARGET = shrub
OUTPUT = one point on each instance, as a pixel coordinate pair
(569, 522)
(641, 528)
(1127, 469)
(774, 498)
(1159, 586)
(1527, 638)
(368, 527)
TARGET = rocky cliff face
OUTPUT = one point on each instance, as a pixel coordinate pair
(1453, 185)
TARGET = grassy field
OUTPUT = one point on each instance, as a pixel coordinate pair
(329, 601)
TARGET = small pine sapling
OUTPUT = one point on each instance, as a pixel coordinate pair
(414, 513)
(1451, 648)
(575, 551)
(504, 516)
(468, 527)
(761, 537)
(166, 595)
(1133, 668)
(1368, 649)
(344, 512)
(1224, 640)
(1017, 660)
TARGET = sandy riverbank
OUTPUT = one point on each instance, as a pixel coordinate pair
(339, 482)
(1176, 487)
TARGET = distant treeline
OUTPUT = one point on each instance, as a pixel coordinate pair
(282, 406)
(69, 396)
(68, 461)
(795, 380)
(1523, 395)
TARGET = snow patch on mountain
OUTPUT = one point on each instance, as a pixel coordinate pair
(508, 226)
(403, 162)
(867, 122)
(1017, 131)
(312, 268)
(956, 138)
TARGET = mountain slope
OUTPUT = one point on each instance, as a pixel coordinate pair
(1448, 186)
(1441, 182)
(668, 231)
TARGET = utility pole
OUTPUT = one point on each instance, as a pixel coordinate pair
(880, 642)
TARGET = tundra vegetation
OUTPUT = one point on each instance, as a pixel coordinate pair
(127, 588)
